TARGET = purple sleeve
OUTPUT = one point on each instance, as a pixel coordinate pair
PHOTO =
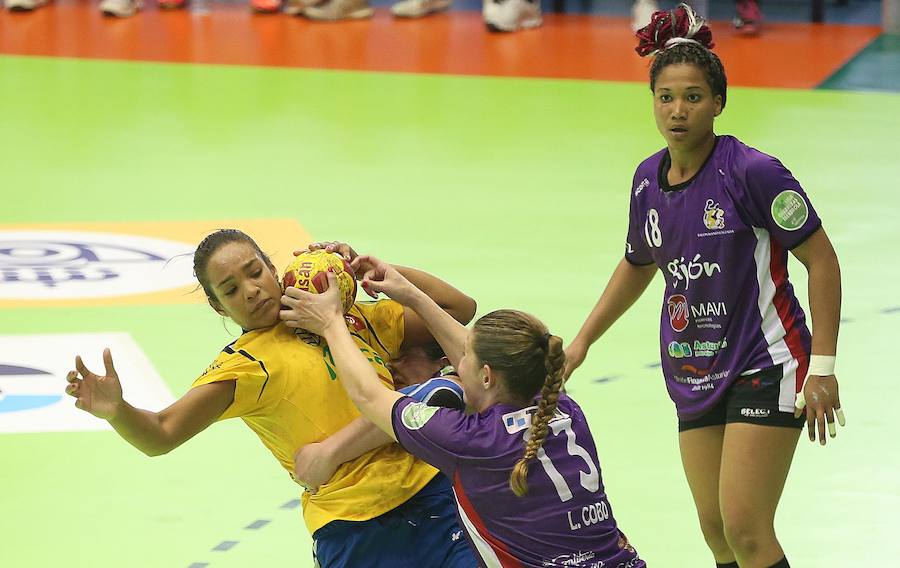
(776, 202)
(636, 249)
(433, 434)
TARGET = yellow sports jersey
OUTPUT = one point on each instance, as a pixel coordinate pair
(289, 393)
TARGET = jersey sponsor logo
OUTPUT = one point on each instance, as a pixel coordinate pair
(456, 534)
(33, 380)
(641, 186)
(417, 414)
(677, 307)
(705, 382)
(684, 349)
(704, 312)
(579, 558)
(686, 272)
(355, 323)
(789, 210)
(713, 216)
(518, 420)
(755, 412)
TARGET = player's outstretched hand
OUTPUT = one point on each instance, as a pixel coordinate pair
(575, 354)
(313, 312)
(313, 466)
(342, 249)
(822, 402)
(379, 276)
(99, 395)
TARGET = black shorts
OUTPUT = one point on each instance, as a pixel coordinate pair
(752, 399)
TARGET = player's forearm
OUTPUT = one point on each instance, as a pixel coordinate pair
(825, 302)
(625, 286)
(354, 440)
(373, 399)
(449, 333)
(451, 300)
(142, 429)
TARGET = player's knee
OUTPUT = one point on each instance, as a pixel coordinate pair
(713, 530)
(747, 534)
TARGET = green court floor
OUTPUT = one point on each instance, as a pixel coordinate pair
(514, 190)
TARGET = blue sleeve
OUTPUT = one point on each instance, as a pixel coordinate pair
(437, 392)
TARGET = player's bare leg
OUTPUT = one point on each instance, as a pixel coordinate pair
(755, 463)
(701, 454)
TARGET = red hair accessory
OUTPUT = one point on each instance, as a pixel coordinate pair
(681, 25)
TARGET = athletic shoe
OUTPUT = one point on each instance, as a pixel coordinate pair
(265, 6)
(641, 12)
(511, 15)
(121, 8)
(296, 7)
(749, 17)
(419, 8)
(24, 5)
(331, 10)
(172, 4)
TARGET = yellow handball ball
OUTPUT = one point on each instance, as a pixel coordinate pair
(307, 272)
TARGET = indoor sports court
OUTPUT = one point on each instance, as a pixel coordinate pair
(499, 162)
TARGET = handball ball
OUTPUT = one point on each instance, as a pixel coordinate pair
(307, 272)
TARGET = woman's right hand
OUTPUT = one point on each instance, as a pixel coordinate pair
(575, 354)
(379, 276)
(99, 395)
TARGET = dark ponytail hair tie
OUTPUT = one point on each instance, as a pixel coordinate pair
(544, 341)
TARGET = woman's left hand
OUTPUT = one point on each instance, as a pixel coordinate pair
(343, 249)
(312, 312)
(822, 402)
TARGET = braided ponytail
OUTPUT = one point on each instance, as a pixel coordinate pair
(554, 363)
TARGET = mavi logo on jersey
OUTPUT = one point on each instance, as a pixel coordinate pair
(677, 307)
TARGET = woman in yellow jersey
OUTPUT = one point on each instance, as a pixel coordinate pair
(288, 392)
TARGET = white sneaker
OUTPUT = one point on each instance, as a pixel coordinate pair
(641, 12)
(24, 5)
(120, 8)
(333, 10)
(511, 15)
(419, 8)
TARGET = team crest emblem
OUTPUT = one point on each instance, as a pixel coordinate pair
(713, 215)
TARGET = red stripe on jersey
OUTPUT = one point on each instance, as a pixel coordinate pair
(778, 270)
(507, 560)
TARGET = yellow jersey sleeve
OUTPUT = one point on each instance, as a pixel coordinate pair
(251, 379)
(381, 325)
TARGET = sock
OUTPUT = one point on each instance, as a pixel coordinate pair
(783, 563)
(727, 565)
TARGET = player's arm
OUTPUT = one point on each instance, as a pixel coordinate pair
(315, 463)
(625, 286)
(820, 393)
(154, 433)
(458, 305)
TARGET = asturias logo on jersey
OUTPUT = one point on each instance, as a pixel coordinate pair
(64, 265)
(677, 307)
(713, 216)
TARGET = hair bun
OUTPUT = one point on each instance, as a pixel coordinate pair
(668, 28)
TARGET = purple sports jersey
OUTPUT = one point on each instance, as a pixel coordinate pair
(721, 240)
(564, 520)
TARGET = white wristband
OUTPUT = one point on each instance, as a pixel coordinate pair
(821, 365)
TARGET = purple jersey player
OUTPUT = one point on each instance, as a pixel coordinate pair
(524, 467)
(718, 219)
